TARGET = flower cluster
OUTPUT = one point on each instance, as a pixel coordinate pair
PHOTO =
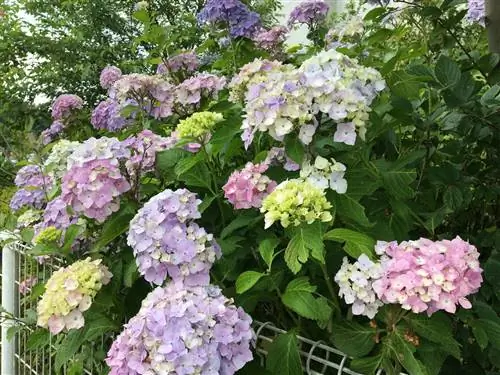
(198, 125)
(428, 276)
(48, 236)
(325, 174)
(167, 243)
(355, 285)
(33, 184)
(30, 175)
(340, 87)
(27, 197)
(69, 292)
(342, 30)
(476, 11)
(26, 285)
(144, 147)
(28, 217)
(183, 62)
(109, 75)
(107, 115)
(248, 187)
(272, 38)
(190, 93)
(295, 202)
(56, 215)
(93, 188)
(103, 148)
(308, 12)
(277, 105)
(183, 331)
(56, 162)
(240, 20)
(64, 105)
(54, 129)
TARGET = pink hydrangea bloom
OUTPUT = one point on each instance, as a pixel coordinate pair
(93, 188)
(187, 61)
(109, 76)
(248, 187)
(428, 276)
(272, 38)
(64, 105)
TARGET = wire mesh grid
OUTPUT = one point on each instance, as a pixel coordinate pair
(317, 357)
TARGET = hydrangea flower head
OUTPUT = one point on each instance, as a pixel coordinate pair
(30, 175)
(355, 285)
(272, 38)
(428, 276)
(325, 174)
(241, 21)
(34, 184)
(476, 12)
(64, 105)
(167, 243)
(308, 12)
(93, 188)
(198, 125)
(56, 162)
(181, 331)
(183, 62)
(104, 148)
(35, 198)
(107, 116)
(295, 202)
(109, 75)
(54, 129)
(190, 93)
(48, 236)
(248, 187)
(69, 292)
(56, 215)
(28, 218)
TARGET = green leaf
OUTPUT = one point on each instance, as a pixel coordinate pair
(375, 13)
(491, 95)
(437, 329)
(230, 244)
(299, 298)
(168, 159)
(95, 328)
(397, 183)
(492, 329)
(492, 271)
(305, 239)
(447, 71)
(207, 201)
(68, 347)
(115, 226)
(283, 356)
(70, 235)
(453, 197)
(131, 273)
(356, 243)
(38, 339)
(187, 163)
(266, 249)
(198, 176)
(12, 331)
(404, 351)
(368, 365)
(480, 335)
(294, 148)
(244, 220)
(350, 209)
(247, 280)
(76, 367)
(354, 339)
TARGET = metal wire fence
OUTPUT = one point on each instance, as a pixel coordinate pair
(20, 300)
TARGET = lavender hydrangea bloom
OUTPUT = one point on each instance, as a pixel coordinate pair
(56, 215)
(103, 148)
(109, 76)
(165, 243)
(93, 188)
(30, 175)
(189, 93)
(64, 105)
(308, 12)
(272, 38)
(187, 61)
(27, 197)
(236, 15)
(476, 11)
(48, 134)
(183, 331)
(107, 116)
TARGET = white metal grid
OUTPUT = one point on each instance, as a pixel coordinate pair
(317, 357)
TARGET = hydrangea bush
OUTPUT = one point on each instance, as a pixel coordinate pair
(317, 188)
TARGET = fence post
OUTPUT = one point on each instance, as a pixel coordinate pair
(9, 305)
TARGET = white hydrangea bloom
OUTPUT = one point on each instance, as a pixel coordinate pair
(56, 162)
(325, 174)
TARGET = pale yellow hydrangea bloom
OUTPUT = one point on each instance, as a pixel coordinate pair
(48, 236)
(198, 125)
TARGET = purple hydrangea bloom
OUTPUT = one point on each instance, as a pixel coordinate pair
(165, 243)
(28, 197)
(272, 38)
(476, 11)
(109, 76)
(190, 92)
(48, 134)
(187, 61)
(181, 331)
(56, 215)
(30, 175)
(93, 188)
(107, 116)
(308, 12)
(236, 15)
(64, 105)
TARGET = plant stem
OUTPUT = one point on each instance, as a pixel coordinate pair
(330, 287)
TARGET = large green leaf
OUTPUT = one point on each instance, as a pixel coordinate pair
(246, 219)
(299, 297)
(68, 347)
(368, 365)
(168, 159)
(405, 352)
(356, 243)
(294, 148)
(197, 176)
(266, 249)
(397, 183)
(354, 339)
(447, 71)
(247, 280)
(306, 239)
(351, 210)
(38, 339)
(283, 356)
(94, 328)
(492, 329)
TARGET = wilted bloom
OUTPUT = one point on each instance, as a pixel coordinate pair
(109, 76)
(355, 285)
(308, 12)
(183, 330)
(325, 174)
(295, 202)
(64, 105)
(428, 276)
(248, 187)
(69, 292)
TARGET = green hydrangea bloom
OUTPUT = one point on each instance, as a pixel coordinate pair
(198, 125)
(69, 292)
(294, 202)
(48, 236)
